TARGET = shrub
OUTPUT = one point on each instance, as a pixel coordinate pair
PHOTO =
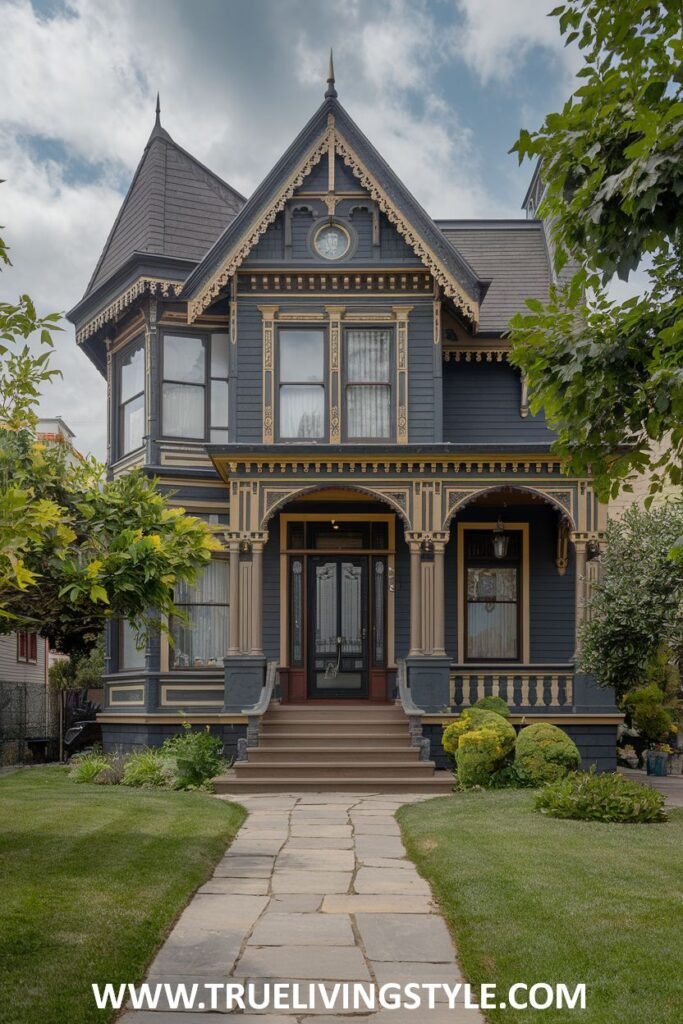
(112, 775)
(149, 767)
(198, 756)
(650, 716)
(586, 796)
(88, 767)
(496, 704)
(545, 753)
(480, 741)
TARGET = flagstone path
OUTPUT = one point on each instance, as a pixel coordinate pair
(316, 887)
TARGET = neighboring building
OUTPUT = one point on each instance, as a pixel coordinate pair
(25, 708)
(321, 371)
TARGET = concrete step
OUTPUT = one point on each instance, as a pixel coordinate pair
(336, 710)
(439, 784)
(346, 738)
(343, 769)
(303, 752)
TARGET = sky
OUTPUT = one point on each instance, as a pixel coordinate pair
(441, 87)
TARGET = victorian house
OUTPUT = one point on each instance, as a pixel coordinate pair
(321, 372)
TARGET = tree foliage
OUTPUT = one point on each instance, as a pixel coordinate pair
(636, 612)
(610, 375)
(76, 548)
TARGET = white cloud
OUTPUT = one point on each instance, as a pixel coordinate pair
(237, 83)
(495, 37)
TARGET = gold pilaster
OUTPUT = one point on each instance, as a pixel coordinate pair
(335, 314)
(401, 314)
(268, 314)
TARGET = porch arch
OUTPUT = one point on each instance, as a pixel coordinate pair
(548, 497)
(386, 498)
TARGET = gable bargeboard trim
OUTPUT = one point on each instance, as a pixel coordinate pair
(330, 142)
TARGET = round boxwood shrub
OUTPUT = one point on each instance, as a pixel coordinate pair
(496, 704)
(480, 741)
(586, 796)
(544, 753)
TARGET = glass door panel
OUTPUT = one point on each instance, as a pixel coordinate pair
(338, 627)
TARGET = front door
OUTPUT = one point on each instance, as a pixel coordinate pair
(338, 626)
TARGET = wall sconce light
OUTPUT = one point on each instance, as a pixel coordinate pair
(245, 547)
(501, 540)
(427, 545)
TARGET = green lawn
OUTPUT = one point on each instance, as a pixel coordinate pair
(531, 898)
(92, 879)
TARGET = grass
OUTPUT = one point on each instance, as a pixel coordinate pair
(92, 879)
(531, 898)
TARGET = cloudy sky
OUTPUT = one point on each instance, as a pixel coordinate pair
(440, 86)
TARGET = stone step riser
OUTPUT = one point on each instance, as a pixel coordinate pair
(342, 741)
(332, 726)
(259, 755)
(335, 770)
(432, 786)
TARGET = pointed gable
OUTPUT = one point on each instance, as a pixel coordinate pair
(174, 207)
(330, 135)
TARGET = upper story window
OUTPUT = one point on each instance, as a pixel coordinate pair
(131, 397)
(368, 384)
(27, 647)
(194, 391)
(302, 384)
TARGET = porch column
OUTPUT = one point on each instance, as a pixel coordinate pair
(580, 612)
(257, 597)
(415, 602)
(439, 598)
(234, 637)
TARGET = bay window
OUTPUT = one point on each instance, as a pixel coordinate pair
(131, 386)
(302, 384)
(200, 636)
(130, 655)
(368, 384)
(194, 390)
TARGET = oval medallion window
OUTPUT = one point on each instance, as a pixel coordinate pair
(332, 242)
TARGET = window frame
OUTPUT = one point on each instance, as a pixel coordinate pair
(323, 330)
(224, 558)
(523, 586)
(126, 350)
(120, 626)
(206, 338)
(390, 328)
(29, 640)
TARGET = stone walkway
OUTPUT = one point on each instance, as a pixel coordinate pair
(316, 887)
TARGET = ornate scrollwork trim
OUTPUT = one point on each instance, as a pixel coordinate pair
(148, 285)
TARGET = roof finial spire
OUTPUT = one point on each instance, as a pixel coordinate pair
(158, 113)
(330, 92)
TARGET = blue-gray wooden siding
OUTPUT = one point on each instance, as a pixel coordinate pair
(481, 403)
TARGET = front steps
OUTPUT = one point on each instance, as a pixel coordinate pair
(342, 748)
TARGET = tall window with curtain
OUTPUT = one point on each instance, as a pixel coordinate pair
(200, 638)
(131, 656)
(131, 385)
(492, 598)
(302, 384)
(368, 384)
(194, 390)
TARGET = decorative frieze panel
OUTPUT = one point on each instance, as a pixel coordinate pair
(268, 313)
(320, 282)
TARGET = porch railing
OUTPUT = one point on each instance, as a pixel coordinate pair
(528, 687)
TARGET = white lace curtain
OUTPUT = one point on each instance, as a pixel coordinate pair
(202, 641)
(368, 393)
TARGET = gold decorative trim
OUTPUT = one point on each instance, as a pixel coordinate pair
(476, 354)
(530, 718)
(319, 281)
(330, 140)
(258, 227)
(168, 688)
(402, 314)
(149, 285)
(268, 314)
(335, 314)
(172, 719)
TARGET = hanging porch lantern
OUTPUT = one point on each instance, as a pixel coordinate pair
(501, 540)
